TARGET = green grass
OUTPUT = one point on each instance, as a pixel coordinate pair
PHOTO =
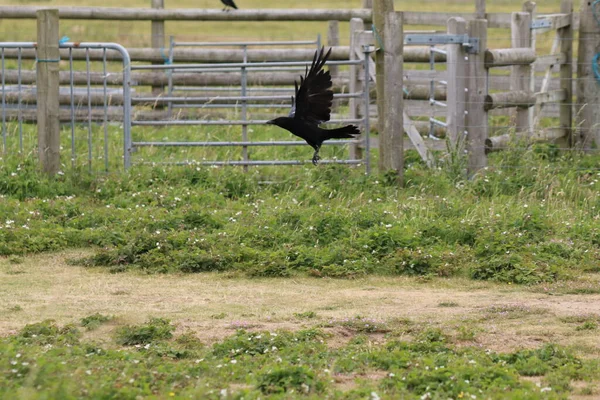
(529, 218)
(44, 360)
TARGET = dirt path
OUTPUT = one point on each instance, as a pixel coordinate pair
(501, 317)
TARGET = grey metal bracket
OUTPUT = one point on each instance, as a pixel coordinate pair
(470, 44)
(541, 23)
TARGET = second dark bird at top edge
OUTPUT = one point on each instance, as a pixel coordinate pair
(228, 3)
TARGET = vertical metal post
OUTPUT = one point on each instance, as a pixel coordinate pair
(170, 74)
(456, 89)
(19, 111)
(126, 107)
(367, 101)
(89, 98)
(432, 92)
(355, 85)
(72, 88)
(105, 109)
(244, 107)
(3, 106)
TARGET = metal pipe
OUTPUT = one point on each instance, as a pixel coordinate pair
(126, 102)
(245, 143)
(105, 111)
(223, 122)
(3, 106)
(207, 105)
(72, 87)
(248, 65)
(250, 163)
(231, 98)
(235, 69)
(244, 79)
(19, 113)
(272, 43)
(87, 68)
(170, 74)
(367, 100)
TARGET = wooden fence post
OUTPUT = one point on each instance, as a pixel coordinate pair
(456, 67)
(477, 119)
(158, 39)
(367, 4)
(480, 9)
(355, 85)
(392, 135)
(588, 85)
(530, 7)
(380, 9)
(520, 76)
(333, 39)
(566, 73)
(47, 90)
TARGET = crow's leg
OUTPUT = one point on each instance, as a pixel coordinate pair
(316, 157)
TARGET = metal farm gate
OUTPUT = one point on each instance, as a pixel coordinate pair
(100, 105)
(86, 97)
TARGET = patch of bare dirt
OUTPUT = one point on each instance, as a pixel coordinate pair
(212, 306)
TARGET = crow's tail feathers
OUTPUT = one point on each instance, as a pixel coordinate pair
(345, 132)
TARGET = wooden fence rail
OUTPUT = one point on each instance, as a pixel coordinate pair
(495, 20)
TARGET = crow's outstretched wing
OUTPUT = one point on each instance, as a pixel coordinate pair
(314, 95)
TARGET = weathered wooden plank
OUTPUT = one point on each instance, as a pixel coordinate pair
(416, 139)
(550, 61)
(566, 72)
(496, 20)
(333, 39)
(521, 38)
(426, 74)
(506, 57)
(480, 9)
(193, 55)
(501, 142)
(412, 54)
(47, 91)
(392, 135)
(179, 78)
(380, 9)
(554, 96)
(456, 66)
(188, 14)
(557, 21)
(157, 32)
(588, 89)
(518, 98)
(476, 119)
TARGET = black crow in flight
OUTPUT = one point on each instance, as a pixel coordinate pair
(312, 106)
(228, 3)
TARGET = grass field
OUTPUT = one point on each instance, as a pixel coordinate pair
(350, 285)
(294, 282)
